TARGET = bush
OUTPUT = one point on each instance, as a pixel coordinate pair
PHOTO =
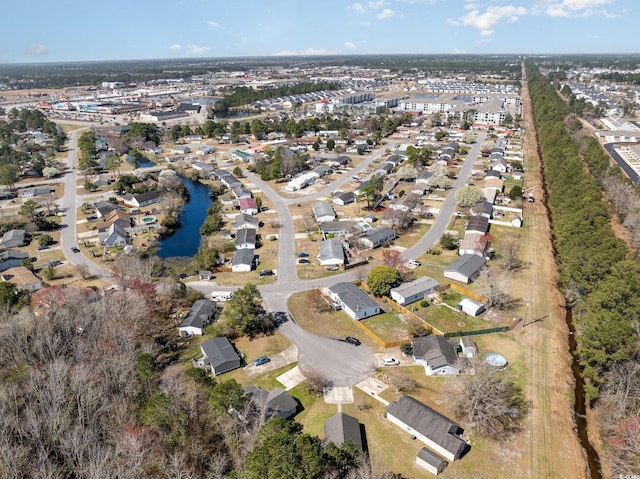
(424, 303)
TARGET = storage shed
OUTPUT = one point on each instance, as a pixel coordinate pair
(470, 307)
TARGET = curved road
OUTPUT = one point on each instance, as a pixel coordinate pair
(342, 363)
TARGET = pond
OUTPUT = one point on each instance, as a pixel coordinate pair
(186, 238)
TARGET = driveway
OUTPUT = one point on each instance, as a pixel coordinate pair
(279, 360)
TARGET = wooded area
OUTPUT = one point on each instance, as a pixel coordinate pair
(599, 274)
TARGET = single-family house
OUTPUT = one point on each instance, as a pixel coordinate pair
(200, 315)
(240, 192)
(23, 278)
(217, 356)
(339, 162)
(478, 224)
(13, 239)
(274, 403)
(438, 432)
(11, 258)
(341, 428)
(180, 149)
(243, 260)
(203, 168)
(430, 461)
(323, 211)
(495, 183)
(437, 354)
(413, 291)
(423, 178)
(248, 206)
(205, 275)
(243, 156)
(321, 170)
(227, 179)
(384, 169)
(468, 347)
(405, 203)
(34, 191)
(484, 208)
(331, 252)
(344, 198)
(139, 200)
(469, 244)
(471, 307)
(115, 235)
(465, 269)
(377, 237)
(103, 208)
(246, 238)
(355, 302)
(501, 165)
(329, 228)
(245, 221)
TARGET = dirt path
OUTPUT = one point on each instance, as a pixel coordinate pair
(549, 444)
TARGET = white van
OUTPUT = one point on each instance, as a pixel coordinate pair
(221, 296)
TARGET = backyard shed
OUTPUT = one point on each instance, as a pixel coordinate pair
(470, 307)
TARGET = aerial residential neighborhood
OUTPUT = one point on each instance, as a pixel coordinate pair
(358, 260)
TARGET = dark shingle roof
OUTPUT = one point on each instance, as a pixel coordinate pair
(431, 458)
(467, 264)
(220, 354)
(199, 315)
(340, 428)
(430, 423)
(435, 350)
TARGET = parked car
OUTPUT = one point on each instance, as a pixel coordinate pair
(261, 360)
(390, 362)
(266, 272)
(42, 247)
(415, 262)
(352, 340)
(332, 267)
(302, 254)
(303, 261)
(75, 249)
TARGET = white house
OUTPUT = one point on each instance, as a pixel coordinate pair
(430, 461)
(439, 433)
(242, 261)
(465, 269)
(377, 237)
(437, 354)
(323, 211)
(199, 316)
(413, 291)
(331, 252)
(355, 302)
(248, 206)
(246, 238)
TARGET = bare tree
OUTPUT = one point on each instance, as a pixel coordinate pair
(316, 301)
(510, 254)
(306, 223)
(489, 402)
(493, 288)
(83, 270)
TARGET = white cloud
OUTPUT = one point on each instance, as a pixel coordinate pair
(196, 50)
(350, 46)
(36, 50)
(358, 8)
(175, 47)
(428, 2)
(308, 51)
(485, 22)
(377, 5)
(386, 13)
(457, 51)
(213, 24)
(572, 8)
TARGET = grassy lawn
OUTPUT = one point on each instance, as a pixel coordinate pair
(389, 326)
(333, 324)
(314, 411)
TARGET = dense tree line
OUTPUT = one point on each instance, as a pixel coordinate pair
(599, 275)
(245, 95)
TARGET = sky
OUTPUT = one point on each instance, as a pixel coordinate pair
(70, 30)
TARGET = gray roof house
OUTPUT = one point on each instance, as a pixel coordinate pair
(340, 428)
(344, 198)
(377, 237)
(276, 402)
(430, 461)
(438, 432)
(323, 211)
(115, 235)
(413, 291)
(103, 208)
(12, 238)
(465, 269)
(200, 314)
(331, 252)
(239, 191)
(335, 227)
(478, 224)
(242, 261)
(438, 355)
(218, 356)
(355, 302)
(245, 221)
(11, 258)
(246, 238)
